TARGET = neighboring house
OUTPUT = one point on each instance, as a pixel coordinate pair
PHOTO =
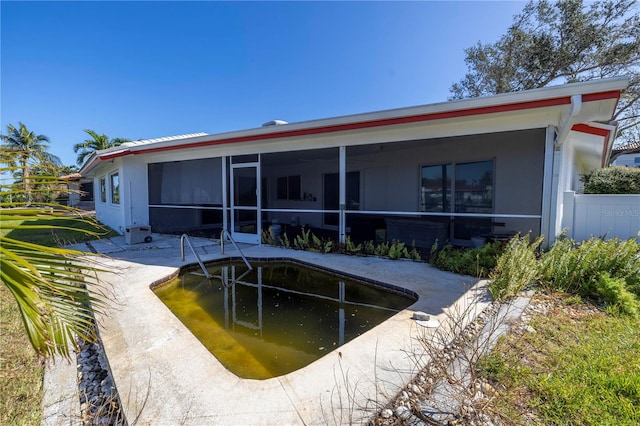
(79, 191)
(473, 168)
(626, 155)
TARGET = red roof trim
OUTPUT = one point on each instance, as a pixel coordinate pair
(601, 96)
(585, 128)
(566, 100)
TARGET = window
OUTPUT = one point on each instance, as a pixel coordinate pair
(435, 191)
(288, 188)
(103, 189)
(115, 188)
(469, 186)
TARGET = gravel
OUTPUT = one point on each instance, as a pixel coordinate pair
(99, 402)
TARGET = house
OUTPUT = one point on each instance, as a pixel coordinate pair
(78, 192)
(626, 155)
(461, 170)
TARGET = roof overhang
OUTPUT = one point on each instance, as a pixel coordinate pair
(518, 110)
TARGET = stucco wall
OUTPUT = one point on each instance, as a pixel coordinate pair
(106, 212)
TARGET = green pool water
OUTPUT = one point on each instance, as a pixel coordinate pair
(277, 318)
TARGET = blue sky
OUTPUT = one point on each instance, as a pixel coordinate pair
(149, 69)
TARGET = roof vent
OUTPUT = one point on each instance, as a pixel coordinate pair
(274, 123)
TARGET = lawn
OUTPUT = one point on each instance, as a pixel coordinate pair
(67, 231)
(21, 371)
(575, 366)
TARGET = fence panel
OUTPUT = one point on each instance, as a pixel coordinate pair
(601, 215)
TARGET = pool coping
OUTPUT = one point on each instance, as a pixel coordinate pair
(348, 385)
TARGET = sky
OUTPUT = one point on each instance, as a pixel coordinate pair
(148, 69)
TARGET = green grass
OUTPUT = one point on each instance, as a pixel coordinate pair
(59, 236)
(575, 369)
(21, 371)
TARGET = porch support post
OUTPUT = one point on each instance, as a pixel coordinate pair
(547, 187)
(342, 202)
(225, 185)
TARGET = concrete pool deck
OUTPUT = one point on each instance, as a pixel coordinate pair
(165, 376)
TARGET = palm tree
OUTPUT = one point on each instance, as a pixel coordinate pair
(96, 143)
(48, 283)
(22, 150)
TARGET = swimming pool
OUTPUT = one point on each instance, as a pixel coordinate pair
(278, 317)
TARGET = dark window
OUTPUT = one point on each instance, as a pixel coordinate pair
(469, 185)
(281, 191)
(288, 188)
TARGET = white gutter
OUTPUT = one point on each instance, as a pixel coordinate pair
(576, 107)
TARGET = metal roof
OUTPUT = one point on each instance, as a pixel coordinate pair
(163, 139)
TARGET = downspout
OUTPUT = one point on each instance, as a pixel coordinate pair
(576, 107)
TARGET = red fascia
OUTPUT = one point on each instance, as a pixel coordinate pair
(382, 122)
(585, 128)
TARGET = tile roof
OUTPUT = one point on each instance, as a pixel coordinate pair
(628, 147)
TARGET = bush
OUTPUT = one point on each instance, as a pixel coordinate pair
(613, 180)
(613, 292)
(516, 268)
(570, 267)
(477, 262)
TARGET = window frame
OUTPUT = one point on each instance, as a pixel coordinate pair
(114, 189)
(102, 189)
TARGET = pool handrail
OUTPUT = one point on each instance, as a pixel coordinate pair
(228, 234)
(184, 237)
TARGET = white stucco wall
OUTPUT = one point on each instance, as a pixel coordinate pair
(107, 212)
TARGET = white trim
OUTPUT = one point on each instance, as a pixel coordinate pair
(547, 180)
(342, 202)
(177, 206)
(241, 236)
(406, 213)
(225, 203)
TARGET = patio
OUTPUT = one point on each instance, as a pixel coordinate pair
(164, 375)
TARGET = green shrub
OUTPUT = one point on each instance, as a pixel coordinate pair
(570, 267)
(302, 241)
(516, 268)
(613, 180)
(397, 250)
(382, 249)
(476, 262)
(613, 292)
(351, 247)
(603, 271)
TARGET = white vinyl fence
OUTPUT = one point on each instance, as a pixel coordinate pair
(600, 215)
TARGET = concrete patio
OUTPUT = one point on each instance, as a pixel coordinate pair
(165, 376)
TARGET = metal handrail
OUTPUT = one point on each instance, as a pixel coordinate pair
(222, 234)
(184, 237)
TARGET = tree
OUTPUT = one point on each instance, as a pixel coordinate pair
(563, 42)
(23, 150)
(48, 283)
(95, 143)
